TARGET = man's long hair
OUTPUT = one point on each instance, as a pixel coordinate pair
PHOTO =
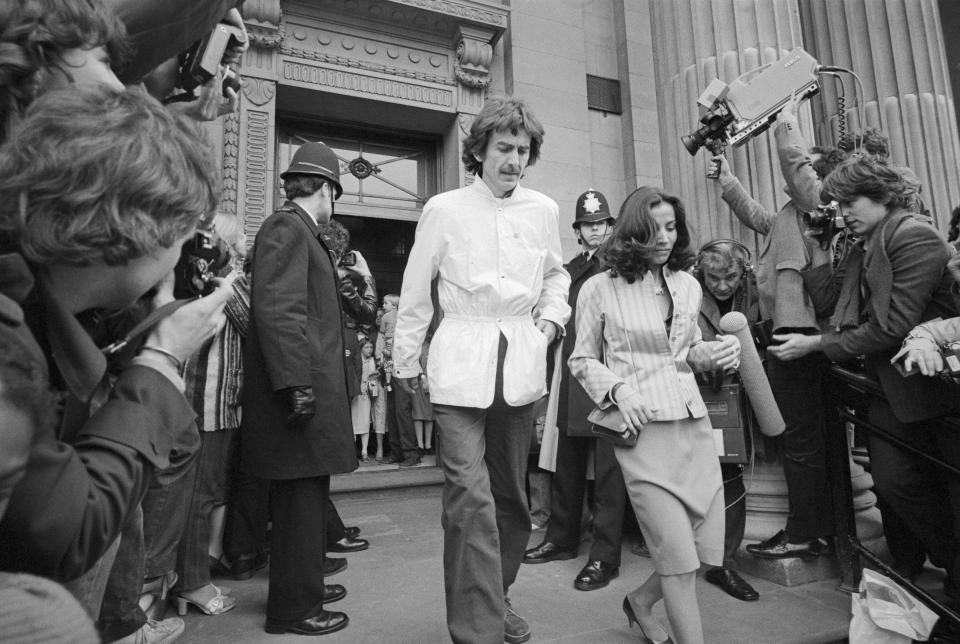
(500, 113)
(96, 174)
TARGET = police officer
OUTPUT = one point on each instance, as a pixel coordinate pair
(296, 427)
(592, 225)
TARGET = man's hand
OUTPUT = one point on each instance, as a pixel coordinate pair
(211, 102)
(920, 353)
(794, 345)
(301, 404)
(409, 385)
(726, 352)
(548, 329)
(234, 19)
(789, 112)
(184, 331)
(724, 167)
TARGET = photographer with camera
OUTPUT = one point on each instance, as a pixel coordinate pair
(91, 230)
(893, 278)
(786, 307)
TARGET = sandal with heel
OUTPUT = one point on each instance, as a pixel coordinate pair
(217, 605)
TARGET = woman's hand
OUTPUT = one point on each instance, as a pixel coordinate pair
(635, 413)
(793, 345)
(925, 356)
(726, 352)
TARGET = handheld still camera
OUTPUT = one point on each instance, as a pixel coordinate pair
(202, 61)
(737, 112)
(201, 259)
(827, 218)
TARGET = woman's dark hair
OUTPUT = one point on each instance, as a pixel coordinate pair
(870, 177)
(953, 232)
(500, 113)
(633, 241)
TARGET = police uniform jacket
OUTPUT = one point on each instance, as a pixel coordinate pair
(295, 340)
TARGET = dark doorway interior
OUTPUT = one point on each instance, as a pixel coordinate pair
(385, 243)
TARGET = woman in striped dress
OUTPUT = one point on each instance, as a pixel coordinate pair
(638, 344)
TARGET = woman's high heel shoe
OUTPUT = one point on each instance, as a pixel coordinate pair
(632, 619)
(217, 605)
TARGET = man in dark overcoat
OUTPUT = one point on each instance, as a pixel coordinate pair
(296, 416)
(592, 224)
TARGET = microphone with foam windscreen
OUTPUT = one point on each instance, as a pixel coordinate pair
(754, 379)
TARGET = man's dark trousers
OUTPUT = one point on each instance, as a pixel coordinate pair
(798, 389)
(297, 547)
(403, 442)
(569, 484)
(486, 520)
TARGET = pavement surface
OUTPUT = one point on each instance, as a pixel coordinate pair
(395, 592)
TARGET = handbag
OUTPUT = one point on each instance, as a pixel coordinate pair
(606, 423)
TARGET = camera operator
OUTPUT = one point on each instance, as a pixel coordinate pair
(94, 227)
(786, 306)
(893, 278)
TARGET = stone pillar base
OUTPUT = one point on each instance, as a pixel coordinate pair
(795, 572)
(789, 572)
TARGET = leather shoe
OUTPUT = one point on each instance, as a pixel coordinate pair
(326, 621)
(348, 545)
(351, 531)
(732, 584)
(333, 565)
(333, 593)
(779, 547)
(596, 574)
(545, 552)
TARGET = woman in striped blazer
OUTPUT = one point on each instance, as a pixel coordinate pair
(638, 344)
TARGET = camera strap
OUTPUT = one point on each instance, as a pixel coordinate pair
(145, 325)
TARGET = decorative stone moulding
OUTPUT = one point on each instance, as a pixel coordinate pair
(348, 61)
(473, 63)
(263, 21)
(464, 10)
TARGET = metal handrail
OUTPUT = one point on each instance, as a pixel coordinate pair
(849, 548)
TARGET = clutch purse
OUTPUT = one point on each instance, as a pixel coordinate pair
(606, 424)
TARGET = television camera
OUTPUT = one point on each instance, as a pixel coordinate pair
(736, 112)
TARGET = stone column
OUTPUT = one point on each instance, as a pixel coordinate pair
(896, 47)
(249, 176)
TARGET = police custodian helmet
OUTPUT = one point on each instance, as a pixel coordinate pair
(592, 206)
(316, 158)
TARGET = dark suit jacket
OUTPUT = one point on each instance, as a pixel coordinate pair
(295, 340)
(575, 404)
(905, 281)
(69, 506)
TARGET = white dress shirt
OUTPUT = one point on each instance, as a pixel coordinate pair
(500, 270)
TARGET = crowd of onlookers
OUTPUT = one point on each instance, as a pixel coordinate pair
(174, 402)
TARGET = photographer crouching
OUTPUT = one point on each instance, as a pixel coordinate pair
(87, 227)
(893, 278)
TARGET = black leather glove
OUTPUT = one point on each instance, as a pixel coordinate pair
(301, 403)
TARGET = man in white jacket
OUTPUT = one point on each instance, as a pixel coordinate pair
(495, 248)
